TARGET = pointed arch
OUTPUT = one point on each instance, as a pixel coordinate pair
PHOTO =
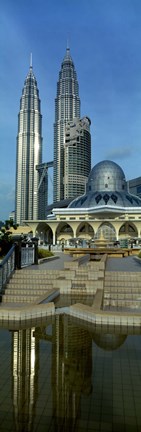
(85, 230)
(64, 232)
(128, 229)
(44, 233)
(107, 230)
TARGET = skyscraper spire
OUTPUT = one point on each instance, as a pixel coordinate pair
(67, 107)
(31, 60)
(67, 55)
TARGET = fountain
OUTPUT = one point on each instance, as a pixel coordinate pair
(101, 242)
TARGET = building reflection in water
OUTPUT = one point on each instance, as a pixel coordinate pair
(70, 374)
(25, 364)
(71, 371)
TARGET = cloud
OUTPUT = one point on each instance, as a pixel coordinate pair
(119, 153)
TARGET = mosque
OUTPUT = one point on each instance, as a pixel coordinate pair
(107, 208)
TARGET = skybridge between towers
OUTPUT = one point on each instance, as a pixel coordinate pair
(43, 186)
(43, 171)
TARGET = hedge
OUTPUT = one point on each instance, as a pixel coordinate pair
(43, 253)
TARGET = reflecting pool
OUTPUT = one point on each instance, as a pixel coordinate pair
(60, 375)
(65, 300)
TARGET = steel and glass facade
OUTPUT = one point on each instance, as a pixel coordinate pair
(67, 107)
(134, 186)
(29, 152)
(77, 157)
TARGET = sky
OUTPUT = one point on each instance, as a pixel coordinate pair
(104, 37)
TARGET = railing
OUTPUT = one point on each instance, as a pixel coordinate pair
(7, 267)
(27, 255)
(55, 248)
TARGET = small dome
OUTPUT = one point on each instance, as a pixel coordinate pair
(106, 176)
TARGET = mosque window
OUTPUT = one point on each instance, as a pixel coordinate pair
(114, 198)
(106, 198)
(98, 198)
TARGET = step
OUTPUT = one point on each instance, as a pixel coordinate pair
(32, 273)
(89, 276)
(122, 290)
(35, 277)
(79, 274)
(122, 273)
(123, 303)
(82, 277)
(122, 296)
(19, 299)
(25, 292)
(123, 283)
(122, 278)
(27, 285)
(78, 285)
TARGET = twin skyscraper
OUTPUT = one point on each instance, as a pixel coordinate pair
(72, 146)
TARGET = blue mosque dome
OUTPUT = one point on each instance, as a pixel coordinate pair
(106, 175)
(106, 186)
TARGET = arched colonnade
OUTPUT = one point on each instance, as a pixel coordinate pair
(57, 232)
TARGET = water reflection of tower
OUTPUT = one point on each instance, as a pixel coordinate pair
(25, 365)
(71, 371)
